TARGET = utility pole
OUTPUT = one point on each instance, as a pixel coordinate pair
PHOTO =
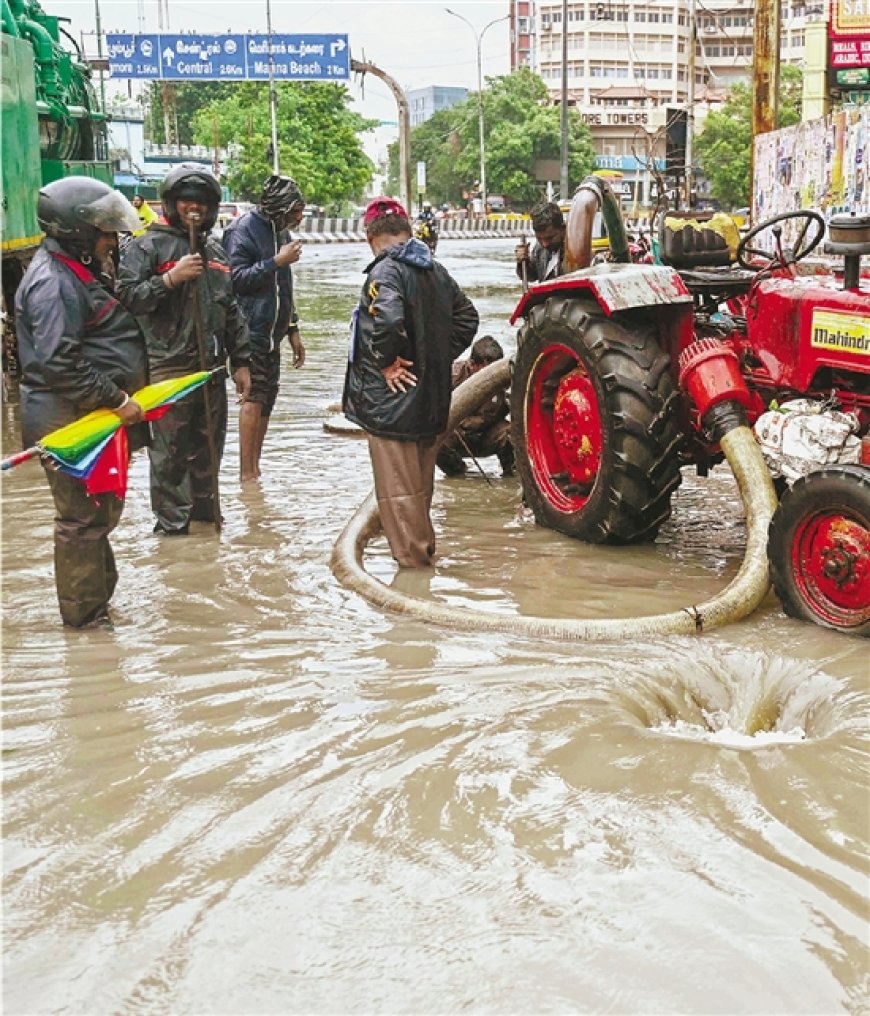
(765, 78)
(100, 55)
(362, 67)
(563, 160)
(690, 106)
(273, 95)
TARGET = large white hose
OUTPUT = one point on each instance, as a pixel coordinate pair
(742, 595)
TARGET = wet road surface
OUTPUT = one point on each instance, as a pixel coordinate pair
(260, 795)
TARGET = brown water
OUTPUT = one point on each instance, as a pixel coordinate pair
(260, 795)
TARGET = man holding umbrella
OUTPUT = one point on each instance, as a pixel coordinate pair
(176, 280)
(80, 350)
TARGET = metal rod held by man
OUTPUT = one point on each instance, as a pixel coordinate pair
(472, 456)
(203, 365)
(524, 267)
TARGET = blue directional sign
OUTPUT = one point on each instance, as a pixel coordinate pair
(194, 57)
(202, 57)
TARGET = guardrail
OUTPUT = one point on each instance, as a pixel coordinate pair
(327, 230)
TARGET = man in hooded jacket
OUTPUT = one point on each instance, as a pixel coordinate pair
(165, 285)
(261, 252)
(412, 321)
(80, 350)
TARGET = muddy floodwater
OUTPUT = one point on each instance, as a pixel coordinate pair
(258, 794)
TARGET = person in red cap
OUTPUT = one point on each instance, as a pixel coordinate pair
(412, 321)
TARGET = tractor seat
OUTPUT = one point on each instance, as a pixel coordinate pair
(698, 240)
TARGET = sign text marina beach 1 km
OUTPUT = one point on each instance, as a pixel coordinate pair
(194, 57)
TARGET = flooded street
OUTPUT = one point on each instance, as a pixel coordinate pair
(258, 794)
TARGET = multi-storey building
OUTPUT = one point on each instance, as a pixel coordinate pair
(629, 65)
(425, 102)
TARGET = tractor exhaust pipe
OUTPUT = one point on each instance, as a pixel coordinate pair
(743, 594)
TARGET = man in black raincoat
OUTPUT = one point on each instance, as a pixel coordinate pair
(80, 350)
(411, 322)
(261, 252)
(158, 279)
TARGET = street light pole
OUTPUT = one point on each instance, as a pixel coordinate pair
(273, 95)
(478, 38)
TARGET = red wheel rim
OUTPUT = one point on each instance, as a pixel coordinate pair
(830, 558)
(564, 432)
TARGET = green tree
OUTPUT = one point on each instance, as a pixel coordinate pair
(183, 100)
(519, 130)
(724, 146)
(318, 139)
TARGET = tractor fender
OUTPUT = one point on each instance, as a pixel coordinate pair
(614, 288)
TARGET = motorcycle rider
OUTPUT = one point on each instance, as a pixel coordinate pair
(80, 350)
(158, 281)
(261, 251)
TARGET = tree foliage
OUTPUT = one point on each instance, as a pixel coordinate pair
(318, 135)
(724, 146)
(519, 130)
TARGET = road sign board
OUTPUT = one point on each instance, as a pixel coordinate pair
(195, 57)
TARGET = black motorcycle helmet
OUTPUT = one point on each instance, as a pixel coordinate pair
(76, 210)
(279, 195)
(191, 180)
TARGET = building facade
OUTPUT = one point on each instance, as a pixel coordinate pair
(632, 69)
(425, 102)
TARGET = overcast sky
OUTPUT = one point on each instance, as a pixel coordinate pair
(415, 41)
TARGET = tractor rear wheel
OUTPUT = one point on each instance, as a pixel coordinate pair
(593, 422)
(819, 549)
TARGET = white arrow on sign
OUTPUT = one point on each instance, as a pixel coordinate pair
(168, 55)
(337, 46)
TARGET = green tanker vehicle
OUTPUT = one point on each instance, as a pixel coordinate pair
(52, 126)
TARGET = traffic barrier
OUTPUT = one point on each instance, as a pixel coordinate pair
(332, 230)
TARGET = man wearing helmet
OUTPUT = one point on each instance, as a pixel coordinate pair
(261, 252)
(166, 284)
(80, 350)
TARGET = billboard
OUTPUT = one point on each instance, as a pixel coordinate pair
(849, 34)
(232, 57)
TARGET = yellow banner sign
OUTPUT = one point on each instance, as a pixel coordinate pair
(851, 16)
(845, 333)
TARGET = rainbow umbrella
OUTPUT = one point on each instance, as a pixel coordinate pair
(79, 448)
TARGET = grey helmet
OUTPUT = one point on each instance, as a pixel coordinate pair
(194, 180)
(279, 195)
(77, 209)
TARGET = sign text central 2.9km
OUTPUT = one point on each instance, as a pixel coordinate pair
(229, 57)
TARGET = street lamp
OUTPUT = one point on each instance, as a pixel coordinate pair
(478, 38)
(273, 95)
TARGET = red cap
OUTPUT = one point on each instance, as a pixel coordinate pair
(379, 207)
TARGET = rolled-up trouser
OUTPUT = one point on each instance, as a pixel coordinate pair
(265, 377)
(404, 474)
(181, 475)
(84, 565)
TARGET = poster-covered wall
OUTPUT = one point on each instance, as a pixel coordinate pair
(821, 164)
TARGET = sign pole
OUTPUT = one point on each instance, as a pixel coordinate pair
(273, 95)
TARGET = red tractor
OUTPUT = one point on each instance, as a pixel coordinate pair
(625, 373)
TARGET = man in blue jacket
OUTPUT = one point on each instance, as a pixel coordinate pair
(412, 321)
(261, 251)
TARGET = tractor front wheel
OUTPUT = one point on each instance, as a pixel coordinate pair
(594, 423)
(819, 549)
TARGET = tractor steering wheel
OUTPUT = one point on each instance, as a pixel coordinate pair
(782, 256)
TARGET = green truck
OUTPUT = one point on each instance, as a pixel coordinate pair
(52, 126)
